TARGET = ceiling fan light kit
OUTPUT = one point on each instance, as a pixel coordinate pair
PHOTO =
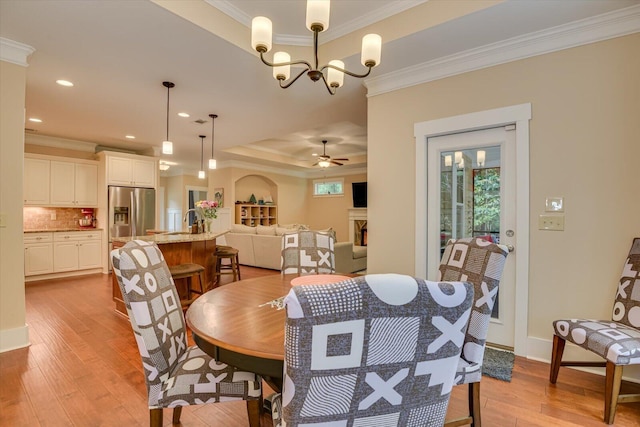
(167, 145)
(317, 21)
(324, 161)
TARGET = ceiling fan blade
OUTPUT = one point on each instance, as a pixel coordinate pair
(315, 164)
(342, 160)
(336, 163)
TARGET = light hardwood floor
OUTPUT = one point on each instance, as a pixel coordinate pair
(83, 369)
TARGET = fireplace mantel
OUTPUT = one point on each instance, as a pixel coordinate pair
(355, 214)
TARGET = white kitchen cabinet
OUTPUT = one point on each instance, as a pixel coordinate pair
(76, 250)
(38, 253)
(131, 172)
(36, 181)
(74, 184)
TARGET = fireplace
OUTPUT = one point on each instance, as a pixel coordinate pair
(358, 226)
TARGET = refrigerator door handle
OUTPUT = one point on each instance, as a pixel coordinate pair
(134, 216)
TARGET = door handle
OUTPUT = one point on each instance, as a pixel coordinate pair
(510, 248)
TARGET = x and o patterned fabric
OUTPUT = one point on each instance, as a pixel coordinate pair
(176, 375)
(480, 262)
(617, 340)
(308, 252)
(378, 350)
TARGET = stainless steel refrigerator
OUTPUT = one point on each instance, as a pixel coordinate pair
(132, 211)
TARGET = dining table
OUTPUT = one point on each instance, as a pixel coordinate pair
(242, 323)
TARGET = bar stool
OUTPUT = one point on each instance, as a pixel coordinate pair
(188, 271)
(232, 267)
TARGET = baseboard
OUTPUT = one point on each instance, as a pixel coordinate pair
(13, 339)
(540, 349)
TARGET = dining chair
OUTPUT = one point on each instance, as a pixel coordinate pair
(176, 375)
(616, 340)
(354, 352)
(480, 262)
(308, 252)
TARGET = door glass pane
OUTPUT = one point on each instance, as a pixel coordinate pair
(470, 196)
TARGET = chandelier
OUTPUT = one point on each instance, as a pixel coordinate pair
(317, 21)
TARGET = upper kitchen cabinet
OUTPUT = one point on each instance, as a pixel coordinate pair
(74, 184)
(131, 171)
(60, 181)
(36, 181)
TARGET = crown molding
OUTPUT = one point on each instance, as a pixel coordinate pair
(51, 141)
(609, 25)
(15, 52)
(333, 33)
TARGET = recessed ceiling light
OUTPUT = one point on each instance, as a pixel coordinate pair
(130, 137)
(66, 83)
(183, 114)
(35, 120)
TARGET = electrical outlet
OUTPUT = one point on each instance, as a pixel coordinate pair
(551, 222)
(53, 216)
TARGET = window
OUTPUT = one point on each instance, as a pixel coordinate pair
(335, 187)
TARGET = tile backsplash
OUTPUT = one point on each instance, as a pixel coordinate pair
(42, 218)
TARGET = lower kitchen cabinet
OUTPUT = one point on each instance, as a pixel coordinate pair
(62, 252)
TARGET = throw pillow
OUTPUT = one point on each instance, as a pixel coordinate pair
(242, 229)
(264, 230)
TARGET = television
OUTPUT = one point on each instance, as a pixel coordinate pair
(359, 190)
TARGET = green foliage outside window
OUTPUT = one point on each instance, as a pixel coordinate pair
(486, 200)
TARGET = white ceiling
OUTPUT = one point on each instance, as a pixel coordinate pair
(118, 53)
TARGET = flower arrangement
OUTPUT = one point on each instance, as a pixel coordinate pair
(208, 208)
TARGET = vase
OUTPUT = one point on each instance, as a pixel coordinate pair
(207, 225)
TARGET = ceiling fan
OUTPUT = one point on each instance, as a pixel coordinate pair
(324, 161)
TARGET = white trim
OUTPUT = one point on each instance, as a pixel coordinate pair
(520, 116)
(52, 141)
(590, 30)
(13, 339)
(15, 52)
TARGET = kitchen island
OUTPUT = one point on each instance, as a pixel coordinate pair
(177, 248)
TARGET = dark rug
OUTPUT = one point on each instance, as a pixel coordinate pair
(498, 364)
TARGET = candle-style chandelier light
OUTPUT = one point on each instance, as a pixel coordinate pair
(317, 21)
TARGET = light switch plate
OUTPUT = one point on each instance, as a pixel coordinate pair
(554, 204)
(551, 222)
(3, 220)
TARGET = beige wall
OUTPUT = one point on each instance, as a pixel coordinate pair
(13, 329)
(583, 146)
(325, 212)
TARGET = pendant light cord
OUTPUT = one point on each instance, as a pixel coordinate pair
(202, 137)
(168, 89)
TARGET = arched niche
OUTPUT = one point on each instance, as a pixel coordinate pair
(258, 185)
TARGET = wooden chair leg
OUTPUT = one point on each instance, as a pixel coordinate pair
(155, 417)
(176, 414)
(253, 409)
(556, 358)
(612, 391)
(238, 266)
(474, 404)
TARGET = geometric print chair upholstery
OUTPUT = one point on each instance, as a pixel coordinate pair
(378, 350)
(308, 252)
(481, 263)
(616, 340)
(176, 375)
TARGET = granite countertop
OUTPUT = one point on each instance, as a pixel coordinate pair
(173, 237)
(56, 230)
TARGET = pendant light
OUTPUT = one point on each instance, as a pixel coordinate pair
(201, 171)
(212, 161)
(167, 145)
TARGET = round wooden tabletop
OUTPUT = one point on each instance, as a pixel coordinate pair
(232, 316)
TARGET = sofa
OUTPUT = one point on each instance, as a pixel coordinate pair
(261, 246)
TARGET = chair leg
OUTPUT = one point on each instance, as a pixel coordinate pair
(155, 417)
(474, 404)
(556, 358)
(176, 414)
(253, 409)
(612, 391)
(238, 266)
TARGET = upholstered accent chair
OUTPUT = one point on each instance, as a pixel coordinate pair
(176, 375)
(376, 350)
(616, 340)
(480, 262)
(308, 252)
